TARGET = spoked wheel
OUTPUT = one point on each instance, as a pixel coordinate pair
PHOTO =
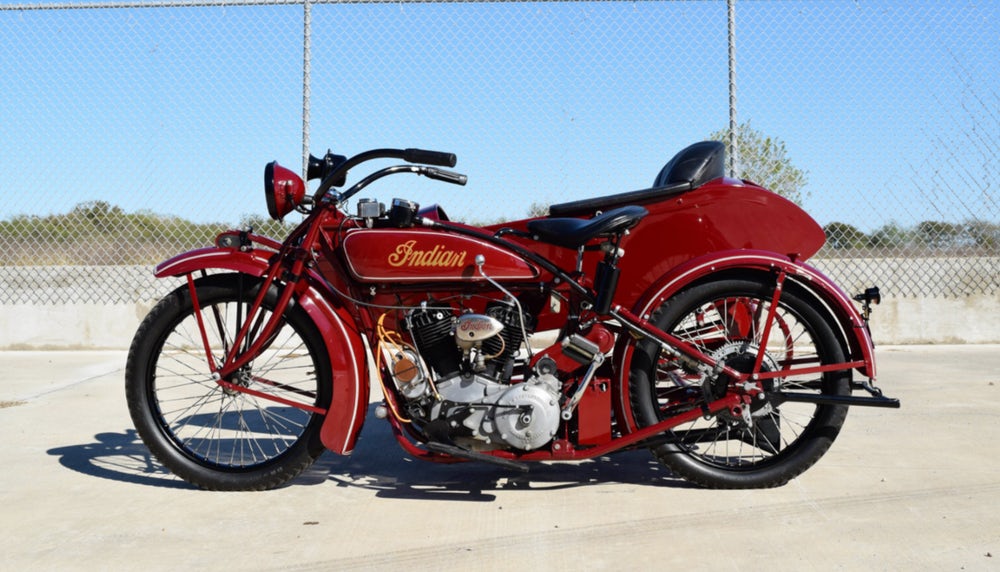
(769, 443)
(216, 437)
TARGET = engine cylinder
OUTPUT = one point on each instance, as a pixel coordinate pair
(431, 329)
(505, 345)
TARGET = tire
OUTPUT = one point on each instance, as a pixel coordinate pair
(217, 438)
(724, 318)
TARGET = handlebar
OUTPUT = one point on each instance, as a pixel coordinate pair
(336, 174)
(429, 172)
(430, 157)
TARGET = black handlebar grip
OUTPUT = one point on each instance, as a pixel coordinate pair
(446, 176)
(429, 157)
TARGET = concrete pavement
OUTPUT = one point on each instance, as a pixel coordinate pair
(915, 489)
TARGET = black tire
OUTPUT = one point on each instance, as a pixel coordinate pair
(782, 440)
(221, 439)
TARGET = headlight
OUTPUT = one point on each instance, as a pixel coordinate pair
(283, 189)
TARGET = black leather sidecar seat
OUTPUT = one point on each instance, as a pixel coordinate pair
(694, 166)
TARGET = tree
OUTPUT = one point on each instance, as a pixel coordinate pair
(842, 235)
(538, 209)
(984, 234)
(101, 215)
(890, 236)
(764, 160)
(938, 234)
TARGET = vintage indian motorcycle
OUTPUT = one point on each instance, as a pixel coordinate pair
(680, 318)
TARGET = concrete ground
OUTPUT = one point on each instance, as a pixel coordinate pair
(911, 489)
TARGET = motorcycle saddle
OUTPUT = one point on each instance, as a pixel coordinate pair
(575, 232)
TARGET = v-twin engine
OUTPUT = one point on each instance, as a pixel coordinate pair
(458, 379)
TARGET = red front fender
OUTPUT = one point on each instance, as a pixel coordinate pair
(844, 316)
(344, 343)
(252, 262)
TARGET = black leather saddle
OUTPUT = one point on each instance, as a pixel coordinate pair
(575, 232)
(694, 166)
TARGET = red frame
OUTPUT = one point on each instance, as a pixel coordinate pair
(329, 259)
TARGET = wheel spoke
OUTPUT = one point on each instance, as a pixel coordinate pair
(229, 428)
(725, 320)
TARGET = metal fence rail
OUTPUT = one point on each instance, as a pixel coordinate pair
(133, 130)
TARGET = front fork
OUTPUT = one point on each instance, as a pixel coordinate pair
(288, 265)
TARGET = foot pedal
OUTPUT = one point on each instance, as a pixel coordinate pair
(461, 453)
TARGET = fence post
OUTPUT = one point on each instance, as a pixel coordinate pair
(734, 150)
(306, 80)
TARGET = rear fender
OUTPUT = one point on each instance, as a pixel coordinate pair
(848, 324)
(343, 340)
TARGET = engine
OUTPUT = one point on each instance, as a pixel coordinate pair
(456, 378)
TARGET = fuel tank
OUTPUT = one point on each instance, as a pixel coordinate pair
(420, 255)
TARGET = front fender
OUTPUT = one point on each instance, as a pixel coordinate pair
(842, 313)
(252, 262)
(344, 343)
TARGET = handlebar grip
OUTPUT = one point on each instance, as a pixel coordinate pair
(429, 157)
(446, 176)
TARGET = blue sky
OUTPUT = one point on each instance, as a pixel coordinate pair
(177, 110)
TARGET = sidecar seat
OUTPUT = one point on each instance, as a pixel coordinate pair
(694, 166)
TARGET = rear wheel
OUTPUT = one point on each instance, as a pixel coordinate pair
(222, 438)
(773, 442)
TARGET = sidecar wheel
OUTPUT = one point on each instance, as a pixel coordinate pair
(723, 319)
(218, 438)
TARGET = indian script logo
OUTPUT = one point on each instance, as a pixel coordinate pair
(437, 257)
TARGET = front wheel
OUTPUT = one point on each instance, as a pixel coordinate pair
(725, 320)
(221, 438)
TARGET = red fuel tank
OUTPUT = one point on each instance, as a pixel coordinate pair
(416, 255)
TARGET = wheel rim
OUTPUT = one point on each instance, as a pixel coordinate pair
(220, 427)
(730, 328)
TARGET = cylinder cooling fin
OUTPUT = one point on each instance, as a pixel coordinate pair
(505, 345)
(431, 329)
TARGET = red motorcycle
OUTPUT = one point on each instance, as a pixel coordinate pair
(680, 318)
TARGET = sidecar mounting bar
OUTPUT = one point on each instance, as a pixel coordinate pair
(779, 397)
(728, 402)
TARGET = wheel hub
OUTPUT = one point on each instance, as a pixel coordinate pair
(741, 356)
(241, 378)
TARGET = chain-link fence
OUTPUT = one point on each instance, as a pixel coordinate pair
(131, 131)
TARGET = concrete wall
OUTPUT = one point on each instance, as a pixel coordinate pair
(967, 320)
(926, 300)
(69, 326)
(26, 322)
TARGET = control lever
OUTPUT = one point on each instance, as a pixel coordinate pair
(446, 176)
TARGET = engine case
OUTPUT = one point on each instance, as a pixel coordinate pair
(524, 416)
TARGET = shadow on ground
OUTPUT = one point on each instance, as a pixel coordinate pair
(119, 457)
(379, 464)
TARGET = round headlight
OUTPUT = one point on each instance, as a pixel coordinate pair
(283, 189)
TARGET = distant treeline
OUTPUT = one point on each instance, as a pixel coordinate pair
(931, 236)
(99, 233)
